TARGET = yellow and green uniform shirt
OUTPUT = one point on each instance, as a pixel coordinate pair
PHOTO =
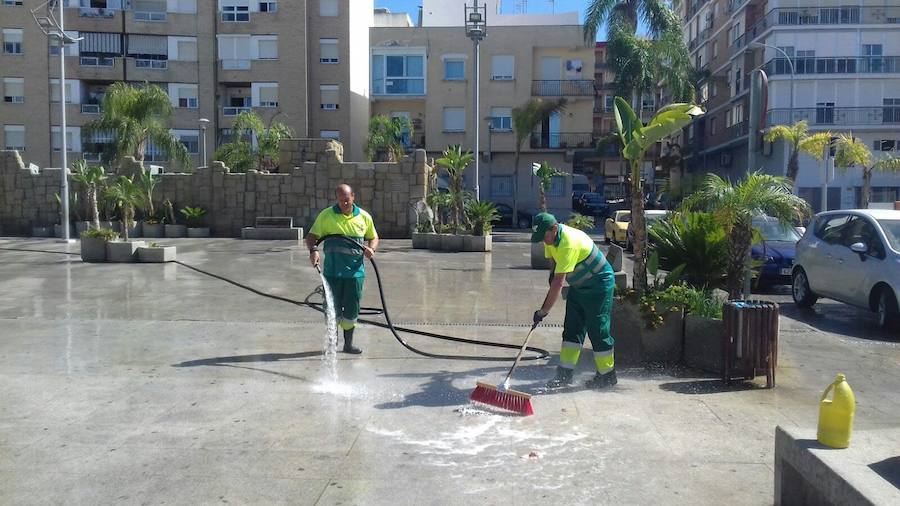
(576, 256)
(342, 259)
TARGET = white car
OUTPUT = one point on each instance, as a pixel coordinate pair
(852, 257)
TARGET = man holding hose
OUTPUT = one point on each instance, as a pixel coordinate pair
(575, 258)
(344, 264)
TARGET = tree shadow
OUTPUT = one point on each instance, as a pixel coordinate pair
(708, 386)
(889, 469)
(841, 319)
(238, 359)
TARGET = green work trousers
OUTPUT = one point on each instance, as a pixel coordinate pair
(589, 311)
(347, 293)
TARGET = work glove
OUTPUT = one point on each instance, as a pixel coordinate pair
(539, 316)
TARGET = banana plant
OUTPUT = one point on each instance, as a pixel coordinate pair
(127, 195)
(91, 179)
(637, 139)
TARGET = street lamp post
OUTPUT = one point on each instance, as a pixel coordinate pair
(476, 29)
(54, 28)
(791, 63)
(203, 124)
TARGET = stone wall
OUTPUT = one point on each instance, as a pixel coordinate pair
(310, 170)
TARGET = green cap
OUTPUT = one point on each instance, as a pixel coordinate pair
(540, 225)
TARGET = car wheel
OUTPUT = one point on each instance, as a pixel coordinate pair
(887, 310)
(803, 295)
(524, 223)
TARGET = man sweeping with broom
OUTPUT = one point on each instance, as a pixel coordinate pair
(344, 270)
(575, 258)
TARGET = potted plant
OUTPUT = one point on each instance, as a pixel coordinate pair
(195, 216)
(154, 253)
(172, 229)
(581, 222)
(153, 226)
(91, 179)
(455, 162)
(93, 244)
(126, 196)
(146, 184)
(420, 236)
(482, 215)
(545, 174)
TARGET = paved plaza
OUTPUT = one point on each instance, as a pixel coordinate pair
(156, 384)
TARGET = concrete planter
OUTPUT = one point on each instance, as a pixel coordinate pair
(434, 242)
(41, 231)
(538, 261)
(93, 249)
(123, 251)
(420, 240)
(58, 231)
(663, 344)
(625, 326)
(703, 338)
(153, 230)
(477, 243)
(176, 231)
(198, 232)
(156, 255)
(452, 242)
(81, 227)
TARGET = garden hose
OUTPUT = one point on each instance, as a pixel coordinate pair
(538, 353)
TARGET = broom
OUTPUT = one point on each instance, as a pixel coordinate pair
(501, 396)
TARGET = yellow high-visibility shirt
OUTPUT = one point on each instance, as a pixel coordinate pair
(342, 259)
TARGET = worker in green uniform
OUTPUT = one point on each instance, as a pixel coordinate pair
(576, 259)
(344, 270)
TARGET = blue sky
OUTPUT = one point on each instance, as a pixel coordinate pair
(534, 7)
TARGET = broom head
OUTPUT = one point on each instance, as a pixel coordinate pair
(509, 400)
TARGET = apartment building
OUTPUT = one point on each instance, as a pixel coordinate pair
(604, 166)
(300, 62)
(834, 64)
(426, 73)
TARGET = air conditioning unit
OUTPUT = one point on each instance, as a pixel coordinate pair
(725, 160)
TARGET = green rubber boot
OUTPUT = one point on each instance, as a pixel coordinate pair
(600, 381)
(563, 378)
(348, 343)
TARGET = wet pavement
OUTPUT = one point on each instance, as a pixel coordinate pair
(152, 384)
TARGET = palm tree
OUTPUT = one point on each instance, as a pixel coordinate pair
(799, 140)
(147, 183)
(637, 139)
(696, 79)
(455, 162)
(545, 174)
(735, 205)
(254, 145)
(126, 194)
(386, 136)
(139, 117)
(656, 14)
(851, 152)
(91, 179)
(525, 119)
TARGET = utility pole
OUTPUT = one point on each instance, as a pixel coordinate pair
(476, 29)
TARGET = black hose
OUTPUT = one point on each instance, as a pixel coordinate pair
(540, 353)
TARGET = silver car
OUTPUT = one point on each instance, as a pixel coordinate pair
(852, 257)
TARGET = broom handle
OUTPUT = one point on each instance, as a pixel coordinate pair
(519, 356)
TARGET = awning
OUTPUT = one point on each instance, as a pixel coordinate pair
(96, 42)
(148, 44)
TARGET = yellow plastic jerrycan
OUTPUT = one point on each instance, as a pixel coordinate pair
(836, 414)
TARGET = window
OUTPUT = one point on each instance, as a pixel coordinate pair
(328, 51)
(501, 119)
(14, 137)
(872, 61)
(715, 49)
(704, 92)
(862, 230)
(71, 49)
(454, 69)
(12, 40)
(184, 96)
(234, 51)
(235, 11)
(185, 49)
(885, 145)
(398, 74)
(330, 134)
(610, 102)
(557, 186)
(265, 94)
(454, 119)
(715, 89)
(501, 186)
(328, 8)
(269, 6)
(149, 10)
(329, 97)
(73, 139)
(891, 110)
(266, 47)
(70, 91)
(503, 67)
(839, 15)
(825, 113)
(14, 90)
(190, 139)
(831, 229)
(712, 126)
(183, 6)
(728, 118)
(12, 2)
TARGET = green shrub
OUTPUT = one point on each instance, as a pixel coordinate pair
(676, 298)
(581, 222)
(482, 214)
(100, 233)
(696, 241)
(194, 216)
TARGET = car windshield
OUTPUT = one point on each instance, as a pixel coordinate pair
(625, 218)
(772, 230)
(892, 231)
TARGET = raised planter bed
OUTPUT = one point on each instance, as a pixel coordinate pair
(156, 254)
(703, 342)
(176, 231)
(420, 240)
(93, 249)
(198, 232)
(41, 231)
(452, 243)
(434, 242)
(477, 243)
(123, 251)
(153, 230)
(58, 231)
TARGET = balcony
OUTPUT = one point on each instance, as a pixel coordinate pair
(149, 16)
(835, 65)
(563, 88)
(234, 111)
(837, 116)
(90, 108)
(562, 140)
(734, 5)
(738, 129)
(822, 16)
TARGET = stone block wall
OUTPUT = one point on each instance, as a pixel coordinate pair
(310, 171)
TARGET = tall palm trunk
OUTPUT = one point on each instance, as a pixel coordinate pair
(639, 225)
(793, 167)
(741, 238)
(867, 188)
(515, 216)
(543, 200)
